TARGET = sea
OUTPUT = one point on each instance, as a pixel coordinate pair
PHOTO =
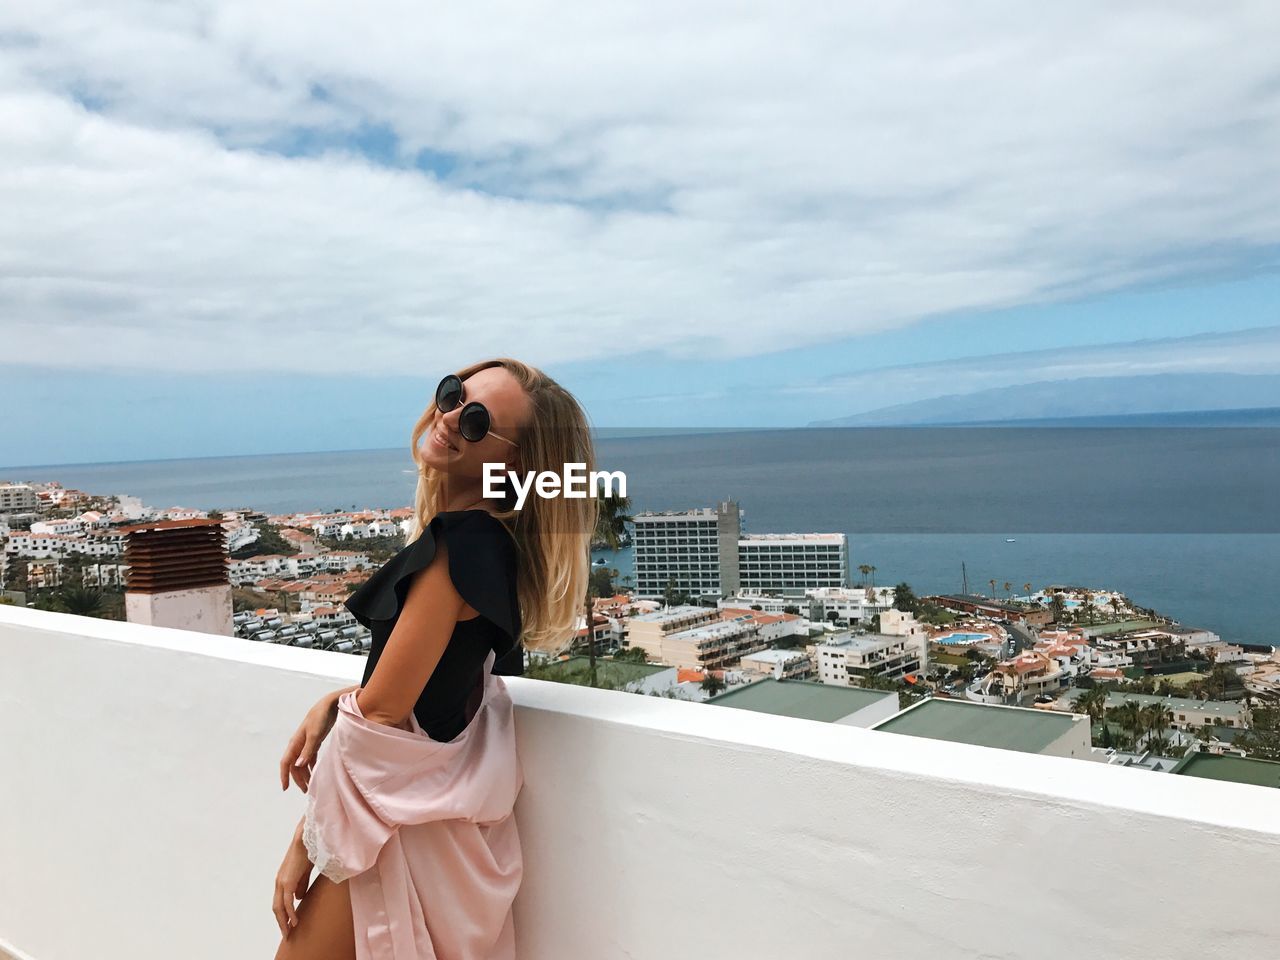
(1182, 519)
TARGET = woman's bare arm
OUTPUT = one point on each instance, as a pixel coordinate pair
(431, 609)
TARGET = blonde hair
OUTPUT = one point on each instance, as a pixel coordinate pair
(552, 534)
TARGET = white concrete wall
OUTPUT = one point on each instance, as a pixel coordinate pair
(141, 818)
(873, 713)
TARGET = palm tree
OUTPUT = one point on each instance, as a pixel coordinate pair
(1093, 702)
(871, 569)
(865, 570)
(992, 581)
(81, 601)
(1008, 589)
(1058, 606)
(611, 527)
(1129, 716)
(1158, 718)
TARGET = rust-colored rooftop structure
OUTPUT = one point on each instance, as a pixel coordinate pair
(167, 555)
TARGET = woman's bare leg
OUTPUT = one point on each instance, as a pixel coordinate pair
(324, 930)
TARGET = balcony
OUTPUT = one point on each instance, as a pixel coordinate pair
(142, 818)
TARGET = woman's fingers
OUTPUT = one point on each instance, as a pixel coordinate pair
(282, 906)
(277, 908)
(291, 751)
(300, 770)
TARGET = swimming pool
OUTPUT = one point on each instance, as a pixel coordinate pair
(964, 638)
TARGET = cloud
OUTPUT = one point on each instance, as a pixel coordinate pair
(195, 186)
(1254, 351)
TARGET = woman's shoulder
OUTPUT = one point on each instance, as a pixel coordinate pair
(475, 521)
(482, 565)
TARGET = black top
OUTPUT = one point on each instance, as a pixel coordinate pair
(482, 565)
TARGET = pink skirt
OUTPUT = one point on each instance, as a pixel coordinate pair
(423, 831)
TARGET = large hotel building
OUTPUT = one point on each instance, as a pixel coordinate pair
(705, 553)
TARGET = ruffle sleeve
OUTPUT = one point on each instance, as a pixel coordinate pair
(482, 566)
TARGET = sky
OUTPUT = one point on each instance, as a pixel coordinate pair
(249, 228)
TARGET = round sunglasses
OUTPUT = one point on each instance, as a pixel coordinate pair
(474, 422)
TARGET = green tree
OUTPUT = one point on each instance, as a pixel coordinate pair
(1093, 702)
(1058, 606)
(1156, 718)
(602, 581)
(79, 600)
(19, 574)
(1262, 739)
(612, 518)
(904, 599)
(711, 683)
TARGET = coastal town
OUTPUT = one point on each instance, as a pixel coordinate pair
(768, 622)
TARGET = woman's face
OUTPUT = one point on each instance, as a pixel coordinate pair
(443, 447)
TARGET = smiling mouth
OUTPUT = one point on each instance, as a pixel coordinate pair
(440, 440)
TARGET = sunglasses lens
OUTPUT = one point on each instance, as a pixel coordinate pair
(448, 393)
(473, 422)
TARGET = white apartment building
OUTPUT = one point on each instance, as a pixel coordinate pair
(341, 561)
(240, 535)
(767, 602)
(849, 604)
(38, 546)
(793, 562)
(900, 648)
(772, 626)
(100, 545)
(778, 664)
(132, 508)
(647, 630)
(183, 513)
(694, 637)
(241, 572)
(93, 520)
(62, 526)
(105, 574)
(706, 554)
(694, 550)
(18, 496)
(713, 646)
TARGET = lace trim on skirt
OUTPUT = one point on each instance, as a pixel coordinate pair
(325, 861)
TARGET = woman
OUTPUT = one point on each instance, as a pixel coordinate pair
(430, 725)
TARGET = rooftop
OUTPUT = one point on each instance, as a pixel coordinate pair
(1120, 626)
(753, 539)
(861, 643)
(1221, 708)
(988, 725)
(672, 613)
(801, 698)
(1262, 773)
(621, 671)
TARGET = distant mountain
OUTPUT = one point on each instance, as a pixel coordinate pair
(1175, 398)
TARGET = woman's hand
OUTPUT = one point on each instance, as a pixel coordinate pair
(292, 881)
(300, 754)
